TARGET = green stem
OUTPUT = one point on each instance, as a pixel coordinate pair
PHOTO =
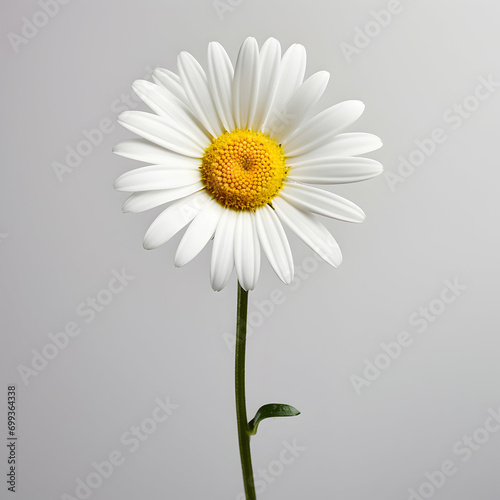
(241, 408)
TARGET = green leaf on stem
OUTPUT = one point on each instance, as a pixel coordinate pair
(271, 410)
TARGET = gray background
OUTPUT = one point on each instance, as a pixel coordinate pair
(163, 335)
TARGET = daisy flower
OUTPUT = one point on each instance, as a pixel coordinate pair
(236, 152)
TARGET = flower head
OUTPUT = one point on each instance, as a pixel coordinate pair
(233, 151)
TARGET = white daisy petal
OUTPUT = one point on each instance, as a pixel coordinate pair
(194, 81)
(145, 200)
(246, 83)
(342, 145)
(246, 250)
(302, 100)
(174, 218)
(157, 177)
(321, 202)
(275, 244)
(320, 129)
(165, 104)
(170, 81)
(310, 231)
(334, 170)
(222, 263)
(291, 75)
(269, 65)
(143, 150)
(155, 129)
(198, 233)
(159, 99)
(220, 78)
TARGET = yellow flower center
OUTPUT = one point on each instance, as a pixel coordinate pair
(243, 169)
